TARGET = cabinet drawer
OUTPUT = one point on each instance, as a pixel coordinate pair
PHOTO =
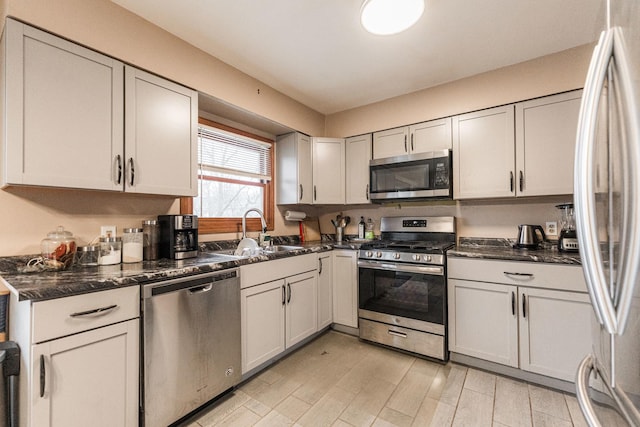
(64, 316)
(532, 274)
(268, 271)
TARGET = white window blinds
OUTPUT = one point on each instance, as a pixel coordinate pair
(228, 153)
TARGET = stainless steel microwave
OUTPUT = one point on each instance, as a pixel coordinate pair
(411, 177)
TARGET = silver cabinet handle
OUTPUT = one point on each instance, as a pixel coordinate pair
(119, 167)
(405, 143)
(319, 266)
(397, 334)
(43, 375)
(301, 191)
(288, 293)
(511, 181)
(96, 312)
(584, 192)
(284, 295)
(518, 276)
(314, 193)
(521, 181)
(411, 142)
(524, 306)
(582, 394)
(132, 171)
(367, 192)
(513, 303)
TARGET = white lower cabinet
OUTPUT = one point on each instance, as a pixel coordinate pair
(531, 316)
(86, 379)
(278, 307)
(345, 287)
(325, 289)
(79, 359)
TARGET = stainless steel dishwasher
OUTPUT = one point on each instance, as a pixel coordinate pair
(191, 344)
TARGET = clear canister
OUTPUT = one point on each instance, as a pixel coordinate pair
(88, 255)
(132, 245)
(110, 251)
(151, 231)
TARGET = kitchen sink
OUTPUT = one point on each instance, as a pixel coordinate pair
(282, 248)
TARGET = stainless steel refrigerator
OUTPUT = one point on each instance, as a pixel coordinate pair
(607, 202)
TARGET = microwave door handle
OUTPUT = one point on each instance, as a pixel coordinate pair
(629, 266)
(584, 193)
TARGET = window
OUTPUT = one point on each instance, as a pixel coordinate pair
(234, 174)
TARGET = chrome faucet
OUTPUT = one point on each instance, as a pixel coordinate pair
(244, 221)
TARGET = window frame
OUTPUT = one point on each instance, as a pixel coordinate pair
(234, 225)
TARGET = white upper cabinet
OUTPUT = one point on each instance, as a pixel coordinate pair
(433, 135)
(484, 153)
(161, 135)
(525, 149)
(328, 170)
(63, 112)
(358, 155)
(294, 179)
(423, 137)
(64, 109)
(545, 144)
(391, 143)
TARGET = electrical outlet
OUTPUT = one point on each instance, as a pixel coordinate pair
(552, 228)
(108, 231)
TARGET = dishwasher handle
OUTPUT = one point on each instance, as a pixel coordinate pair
(193, 284)
(200, 289)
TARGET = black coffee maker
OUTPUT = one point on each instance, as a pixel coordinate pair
(178, 236)
(568, 240)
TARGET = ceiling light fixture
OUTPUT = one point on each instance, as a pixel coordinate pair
(386, 17)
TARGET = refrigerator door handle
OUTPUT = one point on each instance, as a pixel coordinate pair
(582, 383)
(584, 192)
(630, 245)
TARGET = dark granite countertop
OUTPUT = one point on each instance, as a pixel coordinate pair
(502, 249)
(79, 280)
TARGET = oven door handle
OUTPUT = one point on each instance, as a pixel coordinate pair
(422, 269)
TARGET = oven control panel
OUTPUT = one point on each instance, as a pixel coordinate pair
(414, 223)
(385, 255)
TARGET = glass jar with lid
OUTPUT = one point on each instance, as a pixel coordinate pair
(110, 251)
(58, 248)
(151, 231)
(87, 256)
(132, 242)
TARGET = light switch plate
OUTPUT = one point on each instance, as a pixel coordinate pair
(551, 228)
(108, 231)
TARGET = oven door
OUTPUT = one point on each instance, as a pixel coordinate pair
(413, 296)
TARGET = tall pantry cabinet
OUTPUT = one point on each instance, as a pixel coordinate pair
(75, 118)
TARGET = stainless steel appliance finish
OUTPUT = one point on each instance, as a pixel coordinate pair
(411, 177)
(530, 236)
(191, 344)
(178, 236)
(402, 285)
(607, 206)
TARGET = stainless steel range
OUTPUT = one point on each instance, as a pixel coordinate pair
(402, 285)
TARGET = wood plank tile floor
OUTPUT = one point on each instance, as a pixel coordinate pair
(337, 380)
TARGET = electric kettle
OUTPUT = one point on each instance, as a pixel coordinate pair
(530, 236)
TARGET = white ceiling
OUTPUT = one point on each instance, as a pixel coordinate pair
(316, 51)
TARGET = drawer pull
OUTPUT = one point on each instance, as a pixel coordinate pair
(96, 312)
(519, 276)
(43, 375)
(397, 334)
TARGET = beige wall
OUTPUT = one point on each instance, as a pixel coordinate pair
(547, 75)
(27, 214)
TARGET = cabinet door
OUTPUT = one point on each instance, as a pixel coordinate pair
(555, 331)
(545, 144)
(161, 136)
(328, 170)
(345, 288)
(87, 379)
(325, 291)
(302, 307)
(483, 154)
(391, 143)
(262, 328)
(64, 113)
(294, 179)
(358, 155)
(433, 135)
(483, 321)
